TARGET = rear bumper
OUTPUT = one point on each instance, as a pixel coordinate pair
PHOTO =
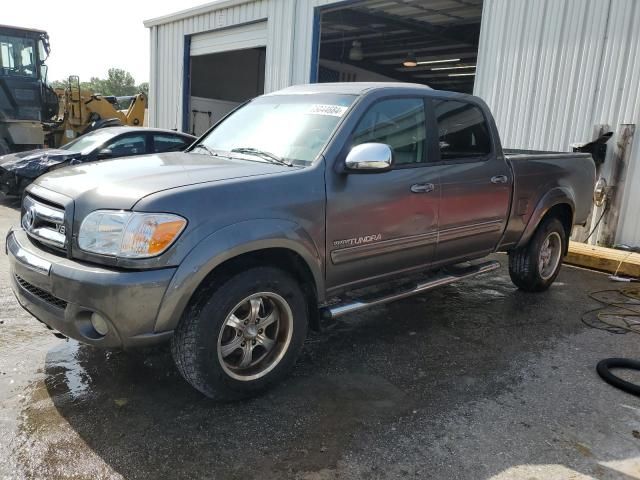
(63, 294)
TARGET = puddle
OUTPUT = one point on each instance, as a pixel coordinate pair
(66, 376)
(491, 293)
(367, 393)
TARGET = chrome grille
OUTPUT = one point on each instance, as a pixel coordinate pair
(44, 223)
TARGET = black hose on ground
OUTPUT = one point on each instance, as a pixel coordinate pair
(619, 314)
(604, 370)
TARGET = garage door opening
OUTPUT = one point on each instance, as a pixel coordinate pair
(222, 81)
(422, 41)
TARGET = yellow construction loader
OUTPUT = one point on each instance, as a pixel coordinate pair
(32, 114)
(81, 111)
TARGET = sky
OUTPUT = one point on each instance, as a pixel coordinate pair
(89, 37)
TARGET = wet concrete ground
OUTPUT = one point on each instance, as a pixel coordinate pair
(472, 381)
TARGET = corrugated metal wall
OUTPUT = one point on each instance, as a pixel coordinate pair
(288, 58)
(549, 69)
(167, 56)
(552, 69)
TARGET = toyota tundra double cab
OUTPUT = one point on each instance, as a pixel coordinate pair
(278, 218)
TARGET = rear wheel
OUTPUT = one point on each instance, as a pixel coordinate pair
(535, 266)
(243, 335)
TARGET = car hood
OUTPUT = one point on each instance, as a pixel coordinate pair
(34, 163)
(121, 182)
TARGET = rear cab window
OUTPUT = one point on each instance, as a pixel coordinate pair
(463, 132)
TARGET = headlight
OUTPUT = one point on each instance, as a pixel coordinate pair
(129, 234)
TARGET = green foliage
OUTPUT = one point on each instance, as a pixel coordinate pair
(58, 84)
(144, 88)
(119, 83)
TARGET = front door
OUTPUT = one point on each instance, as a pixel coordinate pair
(384, 223)
(475, 183)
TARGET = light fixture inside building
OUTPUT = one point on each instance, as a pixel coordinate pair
(355, 53)
(410, 61)
(461, 74)
(454, 68)
(427, 62)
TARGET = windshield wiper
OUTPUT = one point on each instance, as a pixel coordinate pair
(270, 157)
(205, 148)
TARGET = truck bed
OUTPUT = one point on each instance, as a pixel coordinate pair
(538, 173)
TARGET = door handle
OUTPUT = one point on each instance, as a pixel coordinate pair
(499, 179)
(422, 188)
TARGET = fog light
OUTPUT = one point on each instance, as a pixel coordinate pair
(99, 324)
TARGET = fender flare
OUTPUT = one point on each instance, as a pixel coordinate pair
(226, 244)
(555, 196)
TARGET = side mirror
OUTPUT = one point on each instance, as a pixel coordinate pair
(369, 158)
(105, 153)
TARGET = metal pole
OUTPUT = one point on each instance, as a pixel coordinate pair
(619, 165)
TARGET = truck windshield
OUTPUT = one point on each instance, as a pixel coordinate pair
(17, 56)
(290, 129)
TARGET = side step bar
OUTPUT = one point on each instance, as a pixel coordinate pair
(335, 311)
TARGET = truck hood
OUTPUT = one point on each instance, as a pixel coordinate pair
(121, 182)
(34, 163)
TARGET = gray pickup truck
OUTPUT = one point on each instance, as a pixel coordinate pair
(300, 206)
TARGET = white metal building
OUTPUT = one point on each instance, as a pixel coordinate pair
(550, 69)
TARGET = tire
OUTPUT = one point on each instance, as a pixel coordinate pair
(604, 370)
(527, 267)
(215, 351)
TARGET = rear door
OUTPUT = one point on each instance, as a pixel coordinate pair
(475, 182)
(382, 223)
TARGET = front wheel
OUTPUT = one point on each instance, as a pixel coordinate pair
(243, 335)
(534, 267)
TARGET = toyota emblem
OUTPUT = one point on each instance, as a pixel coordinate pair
(29, 219)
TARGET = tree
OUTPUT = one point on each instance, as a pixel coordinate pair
(144, 88)
(59, 84)
(118, 83)
(62, 84)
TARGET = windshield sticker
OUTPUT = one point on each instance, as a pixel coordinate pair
(332, 110)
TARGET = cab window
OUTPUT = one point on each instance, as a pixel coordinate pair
(17, 56)
(462, 130)
(399, 123)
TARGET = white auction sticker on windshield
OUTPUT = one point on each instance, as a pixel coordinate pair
(332, 110)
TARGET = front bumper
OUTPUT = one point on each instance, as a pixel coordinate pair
(64, 293)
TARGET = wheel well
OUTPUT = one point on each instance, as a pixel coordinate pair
(282, 258)
(564, 213)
